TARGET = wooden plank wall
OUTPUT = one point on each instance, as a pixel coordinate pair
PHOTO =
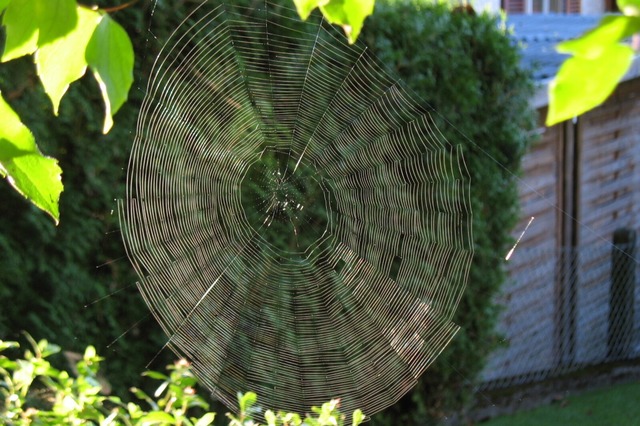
(580, 181)
(608, 198)
(528, 320)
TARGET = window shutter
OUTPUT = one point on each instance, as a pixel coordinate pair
(515, 6)
(573, 6)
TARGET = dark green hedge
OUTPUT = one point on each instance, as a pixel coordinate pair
(466, 68)
(47, 273)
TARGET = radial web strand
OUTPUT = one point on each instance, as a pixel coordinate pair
(300, 226)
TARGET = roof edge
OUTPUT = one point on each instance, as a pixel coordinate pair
(540, 98)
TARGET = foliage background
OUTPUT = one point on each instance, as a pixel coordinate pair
(461, 64)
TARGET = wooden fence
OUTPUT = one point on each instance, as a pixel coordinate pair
(581, 182)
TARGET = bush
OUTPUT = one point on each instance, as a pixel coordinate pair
(32, 391)
(49, 273)
(467, 69)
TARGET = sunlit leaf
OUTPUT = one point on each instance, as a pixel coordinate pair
(350, 14)
(584, 83)
(32, 174)
(155, 375)
(62, 61)
(89, 352)
(270, 417)
(358, 417)
(305, 7)
(55, 19)
(612, 29)
(629, 7)
(3, 5)
(110, 57)
(206, 420)
(21, 29)
(8, 345)
(30, 24)
(156, 417)
(247, 400)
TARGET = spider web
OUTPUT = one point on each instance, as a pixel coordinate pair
(299, 225)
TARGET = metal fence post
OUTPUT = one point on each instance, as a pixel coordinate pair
(621, 294)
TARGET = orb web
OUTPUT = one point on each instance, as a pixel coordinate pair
(299, 225)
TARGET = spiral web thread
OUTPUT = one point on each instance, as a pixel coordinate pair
(299, 225)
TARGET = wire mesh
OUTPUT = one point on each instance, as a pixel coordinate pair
(300, 227)
(564, 310)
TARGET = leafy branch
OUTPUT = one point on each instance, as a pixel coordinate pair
(65, 39)
(33, 391)
(600, 58)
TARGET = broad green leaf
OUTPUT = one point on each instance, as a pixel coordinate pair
(21, 29)
(305, 7)
(206, 420)
(62, 61)
(629, 7)
(350, 14)
(55, 19)
(610, 30)
(110, 57)
(3, 5)
(584, 83)
(34, 23)
(32, 174)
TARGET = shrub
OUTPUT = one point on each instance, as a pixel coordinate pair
(34, 392)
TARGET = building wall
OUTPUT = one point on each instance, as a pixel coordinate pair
(580, 182)
(492, 6)
(592, 7)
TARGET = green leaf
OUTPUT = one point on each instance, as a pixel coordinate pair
(62, 61)
(629, 7)
(155, 375)
(89, 352)
(610, 30)
(206, 420)
(32, 174)
(270, 417)
(247, 401)
(350, 14)
(21, 29)
(4, 345)
(305, 7)
(56, 18)
(3, 5)
(583, 83)
(110, 57)
(358, 417)
(34, 23)
(156, 417)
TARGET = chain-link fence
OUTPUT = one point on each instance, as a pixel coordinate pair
(566, 309)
